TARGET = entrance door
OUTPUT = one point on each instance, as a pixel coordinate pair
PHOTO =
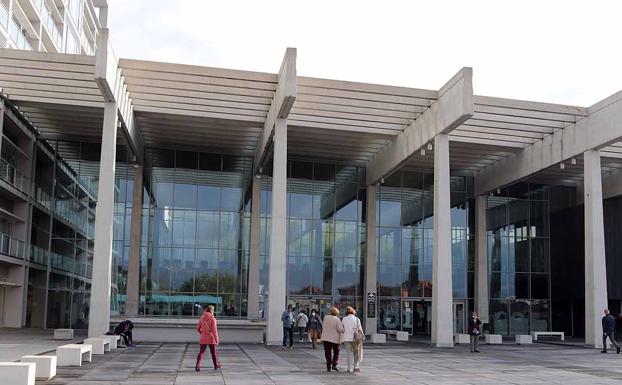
(459, 317)
(416, 316)
(320, 304)
(408, 316)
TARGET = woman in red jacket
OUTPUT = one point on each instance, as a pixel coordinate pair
(208, 330)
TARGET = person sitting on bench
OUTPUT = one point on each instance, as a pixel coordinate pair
(124, 329)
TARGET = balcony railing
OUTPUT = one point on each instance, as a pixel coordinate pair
(69, 264)
(43, 197)
(15, 178)
(11, 246)
(38, 255)
(4, 16)
(18, 36)
(48, 21)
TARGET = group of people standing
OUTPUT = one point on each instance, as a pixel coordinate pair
(333, 331)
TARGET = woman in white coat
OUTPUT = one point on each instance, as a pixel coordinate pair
(352, 325)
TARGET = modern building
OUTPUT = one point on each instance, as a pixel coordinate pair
(67, 26)
(147, 190)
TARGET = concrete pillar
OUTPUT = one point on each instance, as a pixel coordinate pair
(133, 263)
(278, 236)
(481, 259)
(254, 258)
(371, 274)
(99, 317)
(442, 317)
(595, 267)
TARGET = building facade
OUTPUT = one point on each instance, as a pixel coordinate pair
(148, 190)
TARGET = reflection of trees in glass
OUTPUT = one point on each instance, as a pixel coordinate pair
(210, 283)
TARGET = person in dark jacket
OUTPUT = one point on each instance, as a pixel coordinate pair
(287, 318)
(608, 329)
(314, 328)
(474, 331)
(124, 329)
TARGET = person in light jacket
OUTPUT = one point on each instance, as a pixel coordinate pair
(208, 329)
(332, 330)
(351, 325)
(301, 323)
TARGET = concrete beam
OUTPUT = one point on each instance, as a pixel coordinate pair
(453, 107)
(600, 128)
(111, 83)
(282, 103)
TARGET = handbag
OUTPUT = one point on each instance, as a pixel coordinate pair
(359, 336)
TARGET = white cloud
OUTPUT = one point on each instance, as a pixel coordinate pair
(556, 51)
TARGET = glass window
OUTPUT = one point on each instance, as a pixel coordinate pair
(499, 318)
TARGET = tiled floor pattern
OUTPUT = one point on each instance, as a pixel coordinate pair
(173, 364)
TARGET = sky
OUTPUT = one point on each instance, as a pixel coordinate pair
(567, 52)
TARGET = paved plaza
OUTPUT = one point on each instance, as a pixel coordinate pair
(394, 363)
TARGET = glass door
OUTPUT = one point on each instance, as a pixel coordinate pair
(407, 316)
(459, 317)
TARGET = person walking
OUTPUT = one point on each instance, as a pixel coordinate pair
(287, 318)
(352, 339)
(332, 330)
(608, 329)
(474, 331)
(208, 330)
(314, 328)
(301, 323)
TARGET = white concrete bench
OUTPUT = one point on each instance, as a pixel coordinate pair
(17, 373)
(46, 366)
(100, 345)
(399, 336)
(63, 334)
(114, 341)
(523, 339)
(535, 335)
(462, 339)
(378, 338)
(493, 339)
(73, 354)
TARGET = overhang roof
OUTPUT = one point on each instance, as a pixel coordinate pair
(214, 109)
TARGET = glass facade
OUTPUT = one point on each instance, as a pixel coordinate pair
(196, 238)
(518, 259)
(325, 234)
(405, 250)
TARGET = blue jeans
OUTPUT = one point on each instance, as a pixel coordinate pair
(288, 332)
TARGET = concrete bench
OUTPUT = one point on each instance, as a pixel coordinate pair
(523, 339)
(462, 339)
(378, 338)
(46, 366)
(493, 339)
(399, 336)
(535, 335)
(63, 334)
(99, 345)
(114, 341)
(17, 373)
(73, 354)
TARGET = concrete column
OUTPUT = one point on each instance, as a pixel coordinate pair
(371, 273)
(481, 259)
(595, 267)
(254, 258)
(133, 264)
(278, 236)
(99, 317)
(442, 317)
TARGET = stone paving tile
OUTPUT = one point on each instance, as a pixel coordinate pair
(173, 364)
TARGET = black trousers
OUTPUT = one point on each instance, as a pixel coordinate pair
(288, 333)
(127, 337)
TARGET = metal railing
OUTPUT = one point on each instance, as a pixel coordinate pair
(17, 35)
(4, 16)
(38, 255)
(11, 246)
(48, 21)
(15, 178)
